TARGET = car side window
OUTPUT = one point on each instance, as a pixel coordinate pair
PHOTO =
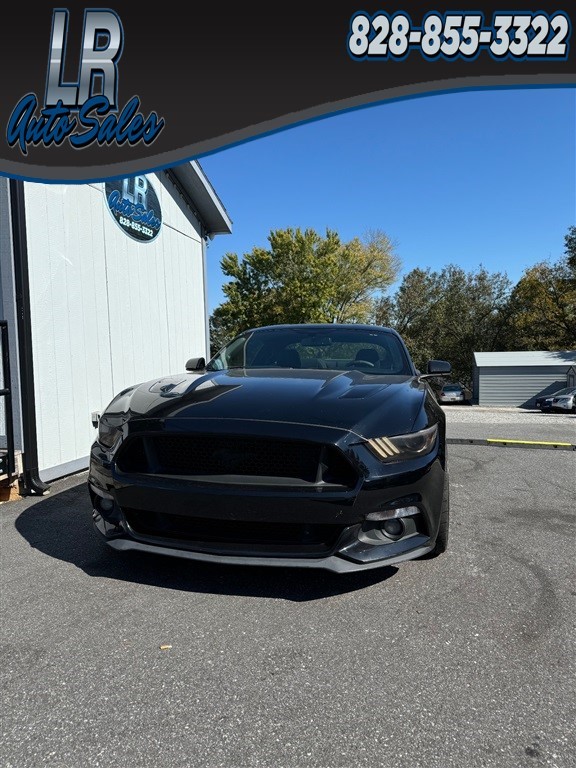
(231, 356)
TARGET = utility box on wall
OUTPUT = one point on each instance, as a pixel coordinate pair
(103, 286)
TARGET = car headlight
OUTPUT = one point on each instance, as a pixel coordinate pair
(108, 434)
(563, 399)
(401, 447)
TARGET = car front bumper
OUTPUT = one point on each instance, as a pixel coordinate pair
(334, 563)
(237, 524)
(564, 407)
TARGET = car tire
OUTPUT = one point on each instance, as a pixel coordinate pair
(442, 536)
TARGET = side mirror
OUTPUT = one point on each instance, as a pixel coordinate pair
(196, 364)
(439, 367)
(436, 368)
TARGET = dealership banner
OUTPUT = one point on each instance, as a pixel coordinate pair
(99, 92)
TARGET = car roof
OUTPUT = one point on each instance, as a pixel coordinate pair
(322, 326)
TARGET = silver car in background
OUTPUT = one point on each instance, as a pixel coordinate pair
(564, 401)
(454, 393)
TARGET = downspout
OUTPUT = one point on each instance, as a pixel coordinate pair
(204, 240)
(30, 482)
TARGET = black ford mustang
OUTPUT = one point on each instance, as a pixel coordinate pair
(313, 445)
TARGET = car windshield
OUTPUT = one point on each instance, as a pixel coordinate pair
(332, 348)
(452, 388)
(565, 391)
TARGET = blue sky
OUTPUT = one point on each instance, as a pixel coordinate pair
(481, 177)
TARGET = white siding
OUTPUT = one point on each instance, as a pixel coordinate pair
(106, 310)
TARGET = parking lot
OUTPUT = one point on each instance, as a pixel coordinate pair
(468, 660)
(513, 423)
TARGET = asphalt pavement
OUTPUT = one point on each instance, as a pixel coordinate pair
(467, 660)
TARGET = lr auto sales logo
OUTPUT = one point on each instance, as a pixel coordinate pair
(87, 111)
(135, 207)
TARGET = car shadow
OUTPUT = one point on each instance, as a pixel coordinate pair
(60, 526)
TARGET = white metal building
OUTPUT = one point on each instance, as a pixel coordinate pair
(518, 378)
(102, 286)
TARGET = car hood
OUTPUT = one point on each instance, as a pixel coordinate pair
(368, 405)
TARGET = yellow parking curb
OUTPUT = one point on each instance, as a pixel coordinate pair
(499, 442)
(526, 442)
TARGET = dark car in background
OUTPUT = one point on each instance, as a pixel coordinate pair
(544, 403)
(454, 393)
(310, 445)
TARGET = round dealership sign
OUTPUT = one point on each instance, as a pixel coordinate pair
(135, 207)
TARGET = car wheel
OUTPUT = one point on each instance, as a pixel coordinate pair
(442, 538)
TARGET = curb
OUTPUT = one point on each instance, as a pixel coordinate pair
(497, 442)
(489, 408)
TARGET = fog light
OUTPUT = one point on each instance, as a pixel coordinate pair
(393, 528)
(106, 505)
(386, 514)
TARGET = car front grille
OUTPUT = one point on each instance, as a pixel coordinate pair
(235, 535)
(237, 458)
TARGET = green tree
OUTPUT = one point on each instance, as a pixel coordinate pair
(413, 312)
(570, 250)
(303, 277)
(448, 315)
(543, 304)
